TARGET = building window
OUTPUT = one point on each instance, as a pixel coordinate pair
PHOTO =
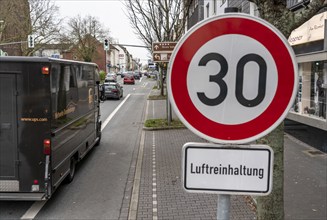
(312, 90)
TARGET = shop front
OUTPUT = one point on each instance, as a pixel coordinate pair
(310, 46)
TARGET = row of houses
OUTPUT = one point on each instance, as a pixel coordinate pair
(309, 43)
(116, 59)
(15, 25)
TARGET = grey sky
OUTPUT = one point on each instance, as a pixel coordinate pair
(111, 14)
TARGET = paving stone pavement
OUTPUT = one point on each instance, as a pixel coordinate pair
(161, 194)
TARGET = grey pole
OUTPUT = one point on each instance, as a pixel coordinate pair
(223, 204)
(223, 207)
(169, 112)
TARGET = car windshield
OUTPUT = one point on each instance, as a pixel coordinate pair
(111, 86)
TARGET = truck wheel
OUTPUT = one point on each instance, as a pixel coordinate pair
(72, 169)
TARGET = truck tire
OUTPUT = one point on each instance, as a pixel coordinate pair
(72, 169)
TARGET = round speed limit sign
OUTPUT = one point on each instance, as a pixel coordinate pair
(232, 78)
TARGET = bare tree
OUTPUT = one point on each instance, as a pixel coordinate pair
(285, 20)
(86, 33)
(276, 12)
(15, 24)
(158, 20)
(28, 17)
(45, 25)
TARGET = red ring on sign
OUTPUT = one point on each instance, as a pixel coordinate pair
(216, 28)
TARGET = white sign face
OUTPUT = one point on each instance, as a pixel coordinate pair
(232, 78)
(241, 170)
(228, 112)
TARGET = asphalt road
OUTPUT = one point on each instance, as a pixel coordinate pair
(102, 178)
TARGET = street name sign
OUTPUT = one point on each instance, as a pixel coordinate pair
(162, 51)
(221, 169)
(232, 78)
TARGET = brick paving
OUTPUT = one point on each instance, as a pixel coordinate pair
(161, 194)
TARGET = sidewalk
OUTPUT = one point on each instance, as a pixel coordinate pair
(161, 195)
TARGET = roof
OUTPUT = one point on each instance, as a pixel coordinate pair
(40, 59)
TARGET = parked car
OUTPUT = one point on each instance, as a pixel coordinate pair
(112, 90)
(137, 75)
(129, 79)
(123, 74)
(146, 74)
(111, 77)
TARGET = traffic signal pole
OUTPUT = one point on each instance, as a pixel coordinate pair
(106, 47)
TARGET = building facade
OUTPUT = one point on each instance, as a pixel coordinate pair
(310, 46)
(195, 13)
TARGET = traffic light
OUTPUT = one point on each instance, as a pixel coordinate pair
(106, 44)
(30, 41)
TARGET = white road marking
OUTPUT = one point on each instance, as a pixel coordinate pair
(37, 206)
(114, 112)
(154, 180)
(33, 210)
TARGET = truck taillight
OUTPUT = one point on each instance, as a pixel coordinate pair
(45, 70)
(46, 146)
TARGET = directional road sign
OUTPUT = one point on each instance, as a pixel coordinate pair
(232, 78)
(222, 169)
(162, 51)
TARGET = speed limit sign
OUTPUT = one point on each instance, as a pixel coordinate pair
(232, 78)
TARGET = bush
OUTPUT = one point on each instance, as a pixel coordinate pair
(102, 75)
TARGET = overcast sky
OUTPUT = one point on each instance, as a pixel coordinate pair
(111, 14)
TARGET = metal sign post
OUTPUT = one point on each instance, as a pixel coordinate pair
(223, 207)
(232, 79)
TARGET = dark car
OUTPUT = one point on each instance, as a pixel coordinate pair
(112, 90)
(111, 77)
(137, 75)
(129, 79)
(123, 74)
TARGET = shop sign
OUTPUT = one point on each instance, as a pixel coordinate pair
(311, 30)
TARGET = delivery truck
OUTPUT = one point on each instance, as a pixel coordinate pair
(49, 120)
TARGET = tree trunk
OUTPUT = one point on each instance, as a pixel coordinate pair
(161, 81)
(271, 207)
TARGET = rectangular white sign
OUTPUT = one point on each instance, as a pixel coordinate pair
(227, 169)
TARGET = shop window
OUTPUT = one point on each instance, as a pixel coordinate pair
(312, 89)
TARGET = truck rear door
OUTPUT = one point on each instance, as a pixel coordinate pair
(8, 134)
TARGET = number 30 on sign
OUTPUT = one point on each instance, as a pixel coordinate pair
(232, 78)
